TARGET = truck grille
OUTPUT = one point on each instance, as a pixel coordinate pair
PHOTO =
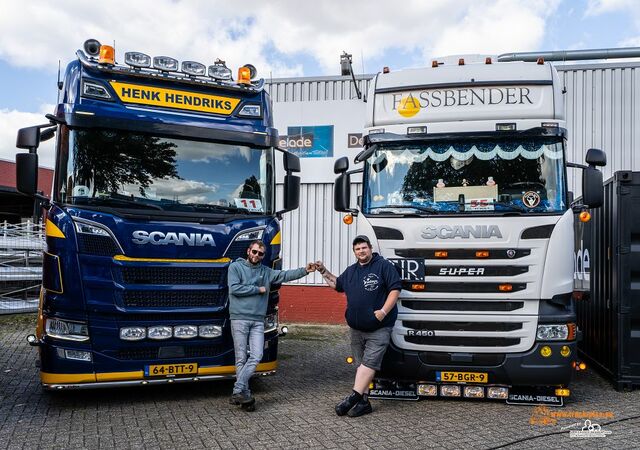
(463, 341)
(97, 245)
(461, 326)
(476, 359)
(437, 305)
(174, 299)
(173, 275)
(237, 249)
(146, 353)
(460, 286)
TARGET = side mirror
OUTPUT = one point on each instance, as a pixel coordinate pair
(291, 162)
(291, 192)
(592, 189)
(342, 193)
(341, 165)
(27, 172)
(28, 138)
(596, 157)
(365, 154)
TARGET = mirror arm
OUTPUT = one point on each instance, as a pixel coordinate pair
(351, 172)
(55, 120)
(577, 166)
(44, 201)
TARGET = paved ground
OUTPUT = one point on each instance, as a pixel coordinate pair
(295, 410)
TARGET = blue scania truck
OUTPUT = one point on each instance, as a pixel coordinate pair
(164, 173)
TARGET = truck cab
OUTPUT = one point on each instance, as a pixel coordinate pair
(164, 173)
(465, 190)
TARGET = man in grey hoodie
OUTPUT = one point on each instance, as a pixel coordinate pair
(249, 284)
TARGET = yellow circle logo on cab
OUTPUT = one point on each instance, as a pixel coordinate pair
(409, 106)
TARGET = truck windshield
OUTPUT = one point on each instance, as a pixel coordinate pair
(515, 175)
(122, 169)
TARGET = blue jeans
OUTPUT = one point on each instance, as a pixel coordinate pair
(246, 332)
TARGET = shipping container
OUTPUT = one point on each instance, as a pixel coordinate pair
(607, 282)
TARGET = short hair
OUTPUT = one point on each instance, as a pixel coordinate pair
(257, 242)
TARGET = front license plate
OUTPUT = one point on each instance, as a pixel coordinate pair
(462, 377)
(170, 370)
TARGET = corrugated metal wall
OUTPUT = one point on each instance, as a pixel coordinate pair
(603, 111)
(316, 232)
(316, 89)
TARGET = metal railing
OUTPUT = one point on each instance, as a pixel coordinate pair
(21, 247)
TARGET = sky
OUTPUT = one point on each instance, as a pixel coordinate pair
(284, 38)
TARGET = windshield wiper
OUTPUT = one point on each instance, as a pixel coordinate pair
(114, 202)
(229, 208)
(416, 207)
(511, 206)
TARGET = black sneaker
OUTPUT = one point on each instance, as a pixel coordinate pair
(349, 402)
(361, 408)
(236, 398)
(247, 399)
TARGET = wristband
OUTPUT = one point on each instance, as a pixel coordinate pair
(383, 312)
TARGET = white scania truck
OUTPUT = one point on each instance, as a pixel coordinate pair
(465, 189)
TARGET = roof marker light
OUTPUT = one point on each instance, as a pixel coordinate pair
(505, 127)
(540, 61)
(386, 69)
(434, 64)
(137, 59)
(417, 130)
(461, 62)
(487, 60)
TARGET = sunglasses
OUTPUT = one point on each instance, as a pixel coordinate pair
(257, 252)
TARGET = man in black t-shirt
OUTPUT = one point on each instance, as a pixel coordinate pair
(372, 286)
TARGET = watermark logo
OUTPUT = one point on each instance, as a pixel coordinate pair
(589, 430)
(585, 428)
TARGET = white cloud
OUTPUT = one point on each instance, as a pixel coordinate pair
(187, 191)
(11, 121)
(39, 33)
(597, 7)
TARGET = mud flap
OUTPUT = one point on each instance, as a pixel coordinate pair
(533, 396)
(393, 390)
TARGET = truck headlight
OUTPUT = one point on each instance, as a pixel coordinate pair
(209, 331)
(159, 332)
(271, 322)
(185, 331)
(133, 333)
(554, 332)
(252, 235)
(67, 330)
